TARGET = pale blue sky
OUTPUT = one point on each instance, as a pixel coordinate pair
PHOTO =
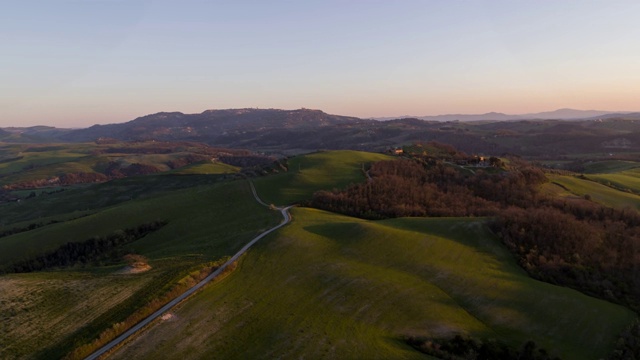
(77, 63)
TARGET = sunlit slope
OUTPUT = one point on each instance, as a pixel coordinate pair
(318, 171)
(208, 168)
(24, 163)
(331, 286)
(600, 193)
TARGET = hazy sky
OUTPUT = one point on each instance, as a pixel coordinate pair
(77, 63)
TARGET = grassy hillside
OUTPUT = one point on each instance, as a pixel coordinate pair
(330, 286)
(40, 309)
(309, 173)
(206, 223)
(207, 168)
(195, 216)
(29, 166)
(600, 193)
(609, 166)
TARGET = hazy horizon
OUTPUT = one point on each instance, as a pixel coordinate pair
(76, 64)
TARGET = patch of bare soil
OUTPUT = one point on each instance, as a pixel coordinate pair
(135, 269)
(167, 316)
(137, 264)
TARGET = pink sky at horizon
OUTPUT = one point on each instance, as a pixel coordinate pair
(75, 65)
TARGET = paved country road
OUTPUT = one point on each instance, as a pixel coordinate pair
(286, 219)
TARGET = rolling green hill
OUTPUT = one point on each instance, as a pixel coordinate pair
(307, 174)
(325, 286)
(32, 166)
(205, 223)
(331, 286)
(609, 166)
(600, 193)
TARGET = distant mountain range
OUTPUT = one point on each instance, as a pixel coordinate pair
(211, 125)
(560, 114)
(303, 130)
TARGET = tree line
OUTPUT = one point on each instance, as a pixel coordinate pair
(570, 242)
(411, 188)
(84, 252)
(463, 348)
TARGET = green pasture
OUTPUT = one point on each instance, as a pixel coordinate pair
(209, 168)
(38, 310)
(600, 193)
(206, 223)
(318, 171)
(331, 286)
(84, 198)
(23, 163)
(25, 160)
(211, 220)
(609, 166)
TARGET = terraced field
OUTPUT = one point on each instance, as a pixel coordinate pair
(331, 286)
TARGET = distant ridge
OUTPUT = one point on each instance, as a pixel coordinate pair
(210, 124)
(292, 131)
(560, 114)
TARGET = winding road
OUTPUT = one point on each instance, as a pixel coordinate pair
(117, 341)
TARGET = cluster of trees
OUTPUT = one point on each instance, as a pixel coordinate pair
(628, 344)
(411, 188)
(462, 348)
(575, 243)
(580, 244)
(73, 253)
(187, 160)
(248, 160)
(80, 178)
(115, 170)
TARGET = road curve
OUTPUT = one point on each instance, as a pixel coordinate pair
(115, 342)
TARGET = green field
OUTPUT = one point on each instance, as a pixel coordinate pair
(206, 223)
(325, 286)
(41, 309)
(195, 215)
(609, 166)
(20, 163)
(309, 173)
(206, 168)
(600, 193)
(331, 286)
